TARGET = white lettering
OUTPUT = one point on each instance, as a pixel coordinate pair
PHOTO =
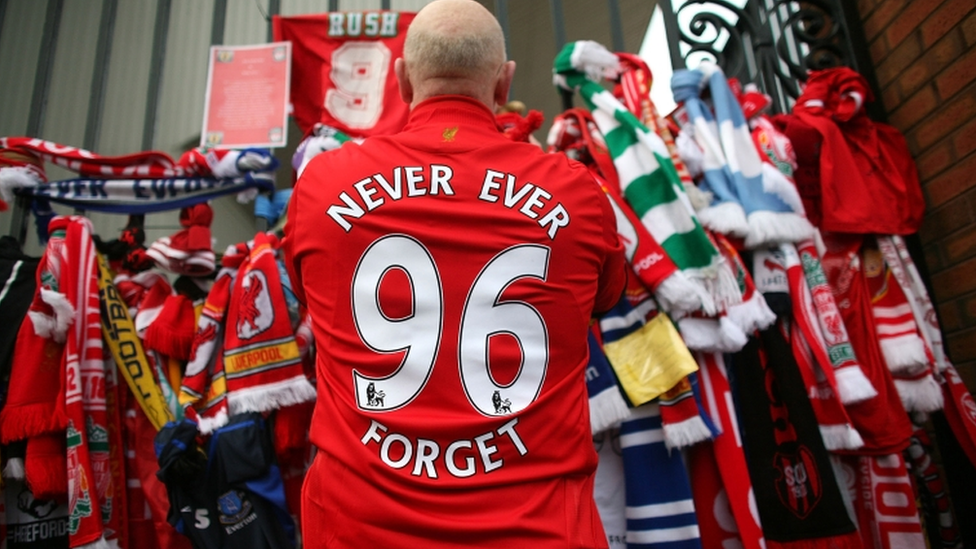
(452, 464)
(372, 434)
(556, 218)
(486, 451)
(385, 451)
(335, 24)
(512, 199)
(372, 24)
(440, 177)
(396, 190)
(490, 183)
(413, 178)
(427, 452)
(353, 210)
(389, 23)
(354, 23)
(534, 202)
(509, 429)
(367, 193)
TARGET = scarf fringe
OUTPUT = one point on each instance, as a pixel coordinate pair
(712, 336)
(14, 470)
(853, 386)
(726, 218)
(920, 395)
(841, 541)
(271, 396)
(752, 314)
(679, 295)
(768, 227)
(904, 353)
(607, 409)
(30, 420)
(209, 424)
(56, 326)
(686, 433)
(724, 287)
(841, 437)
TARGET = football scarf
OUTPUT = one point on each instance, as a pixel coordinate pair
(58, 387)
(722, 486)
(749, 201)
(884, 502)
(609, 488)
(881, 420)
(574, 133)
(342, 69)
(799, 501)
(939, 520)
(126, 349)
(203, 393)
(958, 401)
(660, 510)
(648, 180)
(189, 251)
(902, 347)
(261, 360)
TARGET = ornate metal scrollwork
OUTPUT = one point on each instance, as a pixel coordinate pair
(772, 43)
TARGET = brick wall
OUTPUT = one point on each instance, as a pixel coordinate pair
(924, 53)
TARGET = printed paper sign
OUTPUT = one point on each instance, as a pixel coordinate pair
(247, 96)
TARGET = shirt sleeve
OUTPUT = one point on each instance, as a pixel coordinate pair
(613, 277)
(290, 244)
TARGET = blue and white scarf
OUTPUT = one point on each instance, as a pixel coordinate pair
(749, 199)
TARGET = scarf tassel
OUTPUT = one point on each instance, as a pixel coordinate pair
(679, 295)
(209, 424)
(904, 353)
(686, 433)
(752, 314)
(271, 396)
(726, 218)
(768, 227)
(712, 336)
(922, 394)
(53, 326)
(607, 409)
(853, 386)
(841, 437)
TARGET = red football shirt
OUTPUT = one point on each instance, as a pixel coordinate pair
(342, 69)
(451, 275)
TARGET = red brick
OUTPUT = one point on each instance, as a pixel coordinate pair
(961, 346)
(936, 58)
(946, 220)
(933, 258)
(941, 122)
(878, 49)
(934, 161)
(967, 307)
(968, 27)
(957, 75)
(944, 19)
(955, 280)
(967, 372)
(964, 141)
(960, 246)
(900, 57)
(951, 183)
(914, 109)
(879, 19)
(891, 97)
(909, 19)
(950, 319)
(864, 8)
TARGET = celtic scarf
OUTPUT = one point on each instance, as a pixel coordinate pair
(648, 179)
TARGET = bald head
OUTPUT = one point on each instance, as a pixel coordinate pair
(454, 47)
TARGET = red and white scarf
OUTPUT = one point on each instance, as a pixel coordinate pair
(58, 384)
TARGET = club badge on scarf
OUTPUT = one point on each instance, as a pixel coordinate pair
(262, 364)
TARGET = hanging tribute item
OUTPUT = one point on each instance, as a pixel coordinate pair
(342, 70)
(247, 96)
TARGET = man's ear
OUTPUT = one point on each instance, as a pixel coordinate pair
(403, 80)
(504, 83)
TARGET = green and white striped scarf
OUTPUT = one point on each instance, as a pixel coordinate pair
(648, 179)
